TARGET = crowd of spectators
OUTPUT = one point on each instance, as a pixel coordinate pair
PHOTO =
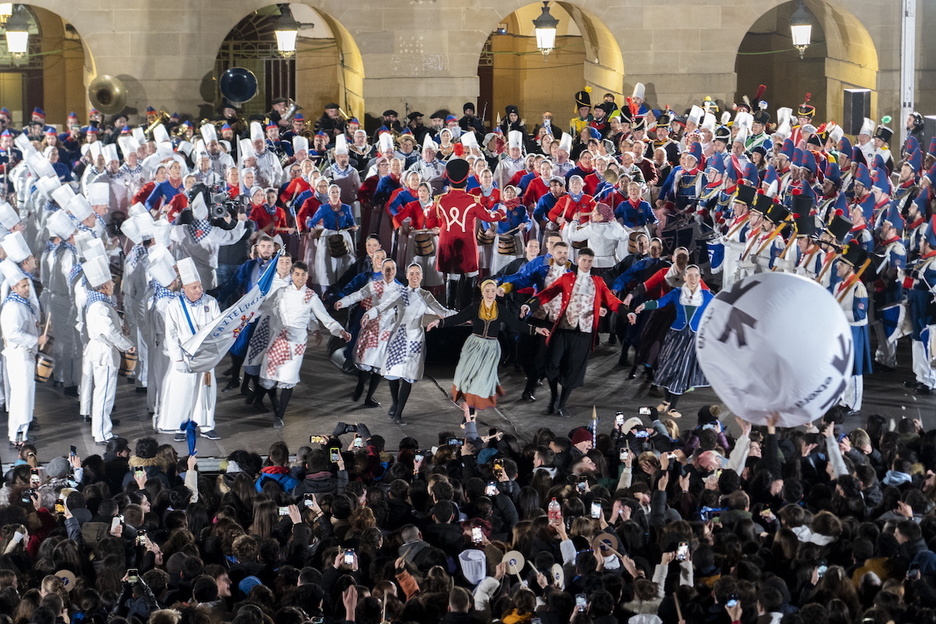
(642, 522)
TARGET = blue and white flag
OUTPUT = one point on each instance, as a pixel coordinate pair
(206, 348)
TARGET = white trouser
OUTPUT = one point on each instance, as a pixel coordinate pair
(102, 401)
(184, 397)
(925, 374)
(854, 392)
(19, 376)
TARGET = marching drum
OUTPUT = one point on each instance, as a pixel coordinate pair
(128, 364)
(423, 243)
(45, 366)
(337, 246)
(507, 244)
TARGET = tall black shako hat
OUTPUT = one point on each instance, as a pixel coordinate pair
(457, 171)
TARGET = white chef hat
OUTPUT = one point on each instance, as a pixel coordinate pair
(138, 208)
(99, 194)
(15, 247)
(256, 131)
(160, 134)
(188, 273)
(469, 140)
(60, 224)
(515, 139)
(162, 232)
(139, 134)
(209, 133)
(40, 165)
(565, 143)
(341, 144)
(79, 207)
(96, 271)
(48, 184)
(164, 150)
(385, 143)
(245, 148)
(161, 265)
(127, 144)
(110, 153)
(300, 143)
(89, 246)
(62, 195)
(12, 274)
(9, 218)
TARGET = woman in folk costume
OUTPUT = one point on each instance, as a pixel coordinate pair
(399, 199)
(163, 286)
(187, 395)
(411, 217)
(604, 235)
(406, 346)
(19, 323)
(488, 196)
(295, 309)
(370, 349)
(678, 369)
(516, 225)
(334, 252)
(318, 197)
(476, 380)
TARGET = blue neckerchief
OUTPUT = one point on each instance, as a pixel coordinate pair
(200, 228)
(50, 247)
(75, 272)
(136, 254)
(576, 198)
(270, 210)
(14, 297)
(159, 292)
(94, 295)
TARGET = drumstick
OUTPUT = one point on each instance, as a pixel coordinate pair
(678, 608)
(45, 332)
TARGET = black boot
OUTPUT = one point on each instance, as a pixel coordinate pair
(245, 385)
(359, 388)
(553, 397)
(561, 406)
(528, 390)
(394, 397)
(280, 410)
(451, 294)
(274, 403)
(371, 389)
(234, 372)
(257, 396)
(402, 396)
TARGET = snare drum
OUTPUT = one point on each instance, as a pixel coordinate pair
(485, 237)
(45, 366)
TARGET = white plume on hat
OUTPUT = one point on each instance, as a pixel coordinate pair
(12, 274)
(161, 265)
(300, 144)
(79, 207)
(99, 194)
(15, 247)
(188, 273)
(60, 225)
(96, 271)
(256, 131)
(209, 133)
(9, 218)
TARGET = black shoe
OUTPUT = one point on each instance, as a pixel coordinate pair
(911, 383)
(278, 423)
(370, 402)
(260, 406)
(179, 437)
(633, 373)
(921, 389)
(358, 392)
(228, 372)
(14, 446)
(550, 409)
(141, 389)
(34, 425)
(399, 421)
(392, 413)
(612, 340)
(71, 391)
(655, 391)
(211, 434)
(231, 385)
(527, 396)
(114, 422)
(563, 412)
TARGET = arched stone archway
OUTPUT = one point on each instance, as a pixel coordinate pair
(842, 56)
(326, 67)
(512, 71)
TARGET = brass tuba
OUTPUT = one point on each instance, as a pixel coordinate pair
(161, 118)
(291, 109)
(107, 94)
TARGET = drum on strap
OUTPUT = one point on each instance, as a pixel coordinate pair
(507, 244)
(337, 246)
(45, 366)
(423, 243)
(128, 364)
